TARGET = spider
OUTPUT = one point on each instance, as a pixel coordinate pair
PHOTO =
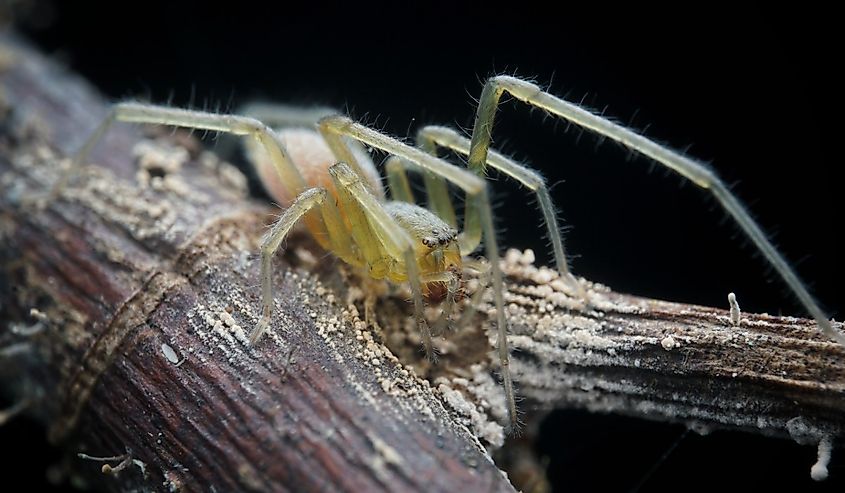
(324, 177)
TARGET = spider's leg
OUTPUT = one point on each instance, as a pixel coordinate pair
(452, 283)
(693, 170)
(14, 410)
(263, 135)
(482, 268)
(201, 120)
(359, 229)
(81, 156)
(279, 115)
(380, 237)
(433, 136)
(285, 117)
(436, 190)
(397, 180)
(479, 217)
(271, 242)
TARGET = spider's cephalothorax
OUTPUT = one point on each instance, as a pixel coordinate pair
(321, 173)
(437, 251)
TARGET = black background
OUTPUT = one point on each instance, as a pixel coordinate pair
(755, 92)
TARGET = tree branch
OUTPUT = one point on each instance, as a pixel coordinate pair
(128, 296)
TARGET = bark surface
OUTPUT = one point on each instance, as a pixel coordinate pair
(127, 297)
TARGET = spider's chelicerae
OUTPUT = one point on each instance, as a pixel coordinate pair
(323, 175)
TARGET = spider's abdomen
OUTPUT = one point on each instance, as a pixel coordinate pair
(312, 157)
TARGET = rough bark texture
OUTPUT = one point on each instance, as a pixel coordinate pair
(126, 299)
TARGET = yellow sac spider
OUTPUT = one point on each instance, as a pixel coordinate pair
(323, 175)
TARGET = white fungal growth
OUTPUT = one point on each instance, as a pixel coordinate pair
(734, 309)
(668, 343)
(482, 427)
(805, 433)
(819, 470)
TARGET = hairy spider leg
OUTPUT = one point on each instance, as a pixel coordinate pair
(325, 226)
(693, 170)
(270, 243)
(479, 216)
(434, 136)
(381, 239)
(482, 269)
(284, 118)
(397, 181)
(436, 189)
(278, 115)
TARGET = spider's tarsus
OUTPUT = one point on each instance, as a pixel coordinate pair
(577, 287)
(431, 355)
(259, 330)
(427, 342)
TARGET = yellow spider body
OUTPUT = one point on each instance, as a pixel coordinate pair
(436, 249)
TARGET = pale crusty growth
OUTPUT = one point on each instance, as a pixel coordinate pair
(735, 313)
(819, 470)
(158, 159)
(488, 431)
(805, 432)
(668, 343)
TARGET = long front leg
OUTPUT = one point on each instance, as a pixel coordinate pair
(694, 171)
(432, 136)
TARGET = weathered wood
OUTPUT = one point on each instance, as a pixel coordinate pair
(141, 298)
(135, 265)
